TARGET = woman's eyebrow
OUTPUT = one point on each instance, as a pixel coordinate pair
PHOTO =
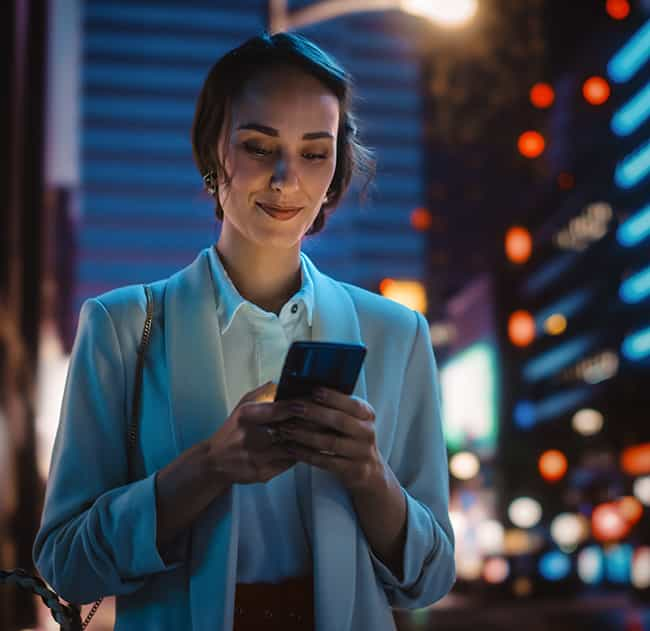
(270, 131)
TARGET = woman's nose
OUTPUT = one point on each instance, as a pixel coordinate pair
(284, 177)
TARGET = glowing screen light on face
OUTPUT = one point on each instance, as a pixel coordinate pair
(469, 399)
(554, 565)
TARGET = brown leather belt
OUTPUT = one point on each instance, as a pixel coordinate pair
(284, 606)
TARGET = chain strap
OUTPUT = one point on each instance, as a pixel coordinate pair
(69, 616)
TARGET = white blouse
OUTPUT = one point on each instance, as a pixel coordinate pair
(273, 541)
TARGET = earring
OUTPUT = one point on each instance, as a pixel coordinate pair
(209, 182)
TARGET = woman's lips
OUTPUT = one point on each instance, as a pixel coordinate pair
(277, 213)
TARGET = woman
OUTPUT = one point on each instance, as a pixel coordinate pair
(228, 521)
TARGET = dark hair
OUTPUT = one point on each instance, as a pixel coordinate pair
(225, 83)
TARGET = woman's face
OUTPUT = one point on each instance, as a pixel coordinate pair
(281, 156)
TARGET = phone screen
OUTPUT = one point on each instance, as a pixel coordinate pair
(311, 364)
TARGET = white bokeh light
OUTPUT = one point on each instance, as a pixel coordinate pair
(464, 465)
(445, 12)
(490, 537)
(640, 574)
(525, 512)
(642, 489)
(587, 421)
(568, 529)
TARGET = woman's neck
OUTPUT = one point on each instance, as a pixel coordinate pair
(266, 278)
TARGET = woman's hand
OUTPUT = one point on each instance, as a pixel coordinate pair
(243, 450)
(338, 435)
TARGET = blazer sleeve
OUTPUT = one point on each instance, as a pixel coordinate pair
(98, 533)
(419, 460)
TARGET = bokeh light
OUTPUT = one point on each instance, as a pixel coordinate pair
(596, 90)
(607, 523)
(522, 586)
(552, 465)
(521, 328)
(617, 9)
(525, 512)
(496, 570)
(518, 244)
(450, 13)
(641, 489)
(421, 219)
(542, 95)
(490, 537)
(587, 421)
(618, 563)
(591, 565)
(555, 324)
(635, 460)
(410, 293)
(566, 181)
(569, 529)
(554, 565)
(641, 567)
(531, 144)
(631, 509)
(464, 465)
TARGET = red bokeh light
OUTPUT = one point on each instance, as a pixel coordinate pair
(596, 90)
(542, 95)
(608, 524)
(617, 9)
(635, 460)
(521, 328)
(566, 181)
(519, 244)
(421, 219)
(531, 144)
(552, 465)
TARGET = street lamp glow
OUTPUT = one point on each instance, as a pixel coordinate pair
(445, 12)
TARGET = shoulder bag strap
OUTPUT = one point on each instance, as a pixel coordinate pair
(132, 433)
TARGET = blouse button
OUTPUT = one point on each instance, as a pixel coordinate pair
(294, 308)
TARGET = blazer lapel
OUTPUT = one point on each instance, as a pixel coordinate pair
(200, 405)
(333, 516)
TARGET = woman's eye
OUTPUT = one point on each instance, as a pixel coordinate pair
(256, 149)
(315, 156)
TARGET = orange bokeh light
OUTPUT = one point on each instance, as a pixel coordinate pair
(635, 460)
(531, 144)
(421, 219)
(521, 328)
(552, 465)
(617, 9)
(519, 244)
(596, 90)
(542, 95)
(608, 524)
(384, 285)
(630, 508)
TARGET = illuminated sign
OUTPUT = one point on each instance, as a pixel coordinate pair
(469, 399)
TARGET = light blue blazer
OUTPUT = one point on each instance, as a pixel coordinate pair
(98, 532)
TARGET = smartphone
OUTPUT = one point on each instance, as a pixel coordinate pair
(310, 364)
